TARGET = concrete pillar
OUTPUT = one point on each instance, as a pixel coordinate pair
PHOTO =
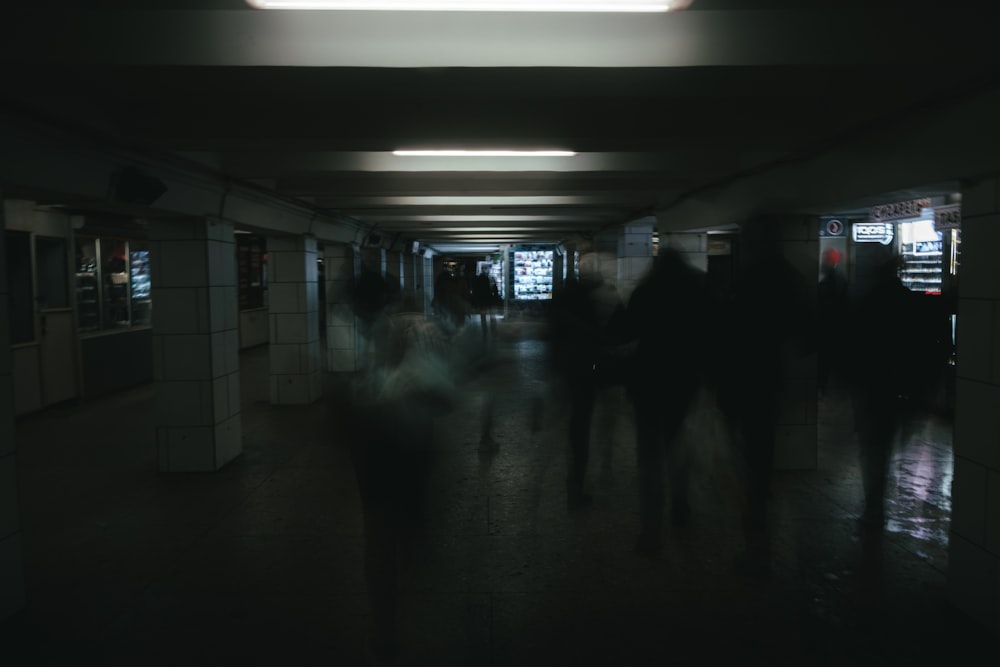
(394, 267)
(409, 282)
(974, 545)
(11, 563)
(636, 255)
(195, 345)
(293, 317)
(341, 353)
(692, 245)
(427, 271)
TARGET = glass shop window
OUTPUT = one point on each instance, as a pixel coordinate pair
(113, 286)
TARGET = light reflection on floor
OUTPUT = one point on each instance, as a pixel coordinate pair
(919, 491)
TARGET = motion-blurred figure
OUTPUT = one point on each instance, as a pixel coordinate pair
(451, 299)
(582, 318)
(887, 335)
(402, 385)
(484, 302)
(667, 316)
(771, 326)
(832, 323)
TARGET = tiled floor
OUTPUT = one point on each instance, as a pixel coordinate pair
(261, 562)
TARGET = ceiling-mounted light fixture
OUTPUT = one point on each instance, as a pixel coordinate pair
(481, 153)
(479, 5)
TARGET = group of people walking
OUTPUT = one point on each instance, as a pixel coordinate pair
(673, 345)
(676, 343)
(463, 292)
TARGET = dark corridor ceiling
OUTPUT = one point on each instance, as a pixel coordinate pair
(658, 107)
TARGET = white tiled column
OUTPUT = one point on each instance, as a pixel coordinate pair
(195, 345)
(341, 349)
(974, 545)
(427, 271)
(11, 568)
(693, 246)
(394, 267)
(636, 255)
(293, 317)
(409, 283)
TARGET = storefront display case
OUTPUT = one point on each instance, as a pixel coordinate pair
(921, 253)
(533, 270)
(88, 286)
(142, 310)
(113, 286)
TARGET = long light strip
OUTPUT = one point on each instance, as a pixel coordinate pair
(479, 5)
(482, 153)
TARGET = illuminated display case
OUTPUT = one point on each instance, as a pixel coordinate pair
(532, 271)
(113, 288)
(921, 253)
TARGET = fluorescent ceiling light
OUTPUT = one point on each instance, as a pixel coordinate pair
(483, 153)
(479, 5)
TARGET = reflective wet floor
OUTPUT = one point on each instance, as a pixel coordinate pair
(262, 562)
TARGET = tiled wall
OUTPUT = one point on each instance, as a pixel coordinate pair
(293, 311)
(341, 353)
(635, 254)
(195, 345)
(11, 571)
(692, 245)
(974, 554)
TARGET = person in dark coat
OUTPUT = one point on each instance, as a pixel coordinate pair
(832, 324)
(582, 315)
(667, 317)
(484, 302)
(771, 323)
(888, 336)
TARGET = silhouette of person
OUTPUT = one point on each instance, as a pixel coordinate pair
(774, 326)
(483, 302)
(451, 299)
(582, 316)
(832, 322)
(666, 316)
(392, 400)
(887, 334)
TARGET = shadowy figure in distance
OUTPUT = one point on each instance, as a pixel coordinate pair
(832, 324)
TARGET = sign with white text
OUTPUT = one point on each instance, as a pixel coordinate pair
(873, 232)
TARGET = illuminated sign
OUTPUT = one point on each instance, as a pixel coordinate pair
(873, 232)
(899, 210)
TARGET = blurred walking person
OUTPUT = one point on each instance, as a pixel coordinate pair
(667, 317)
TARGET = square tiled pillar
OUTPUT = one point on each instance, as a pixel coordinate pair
(11, 569)
(974, 545)
(693, 246)
(636, 254)
(341, 348)
(195, 345)
(293, 316)
(427, 281)
(409, 283)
